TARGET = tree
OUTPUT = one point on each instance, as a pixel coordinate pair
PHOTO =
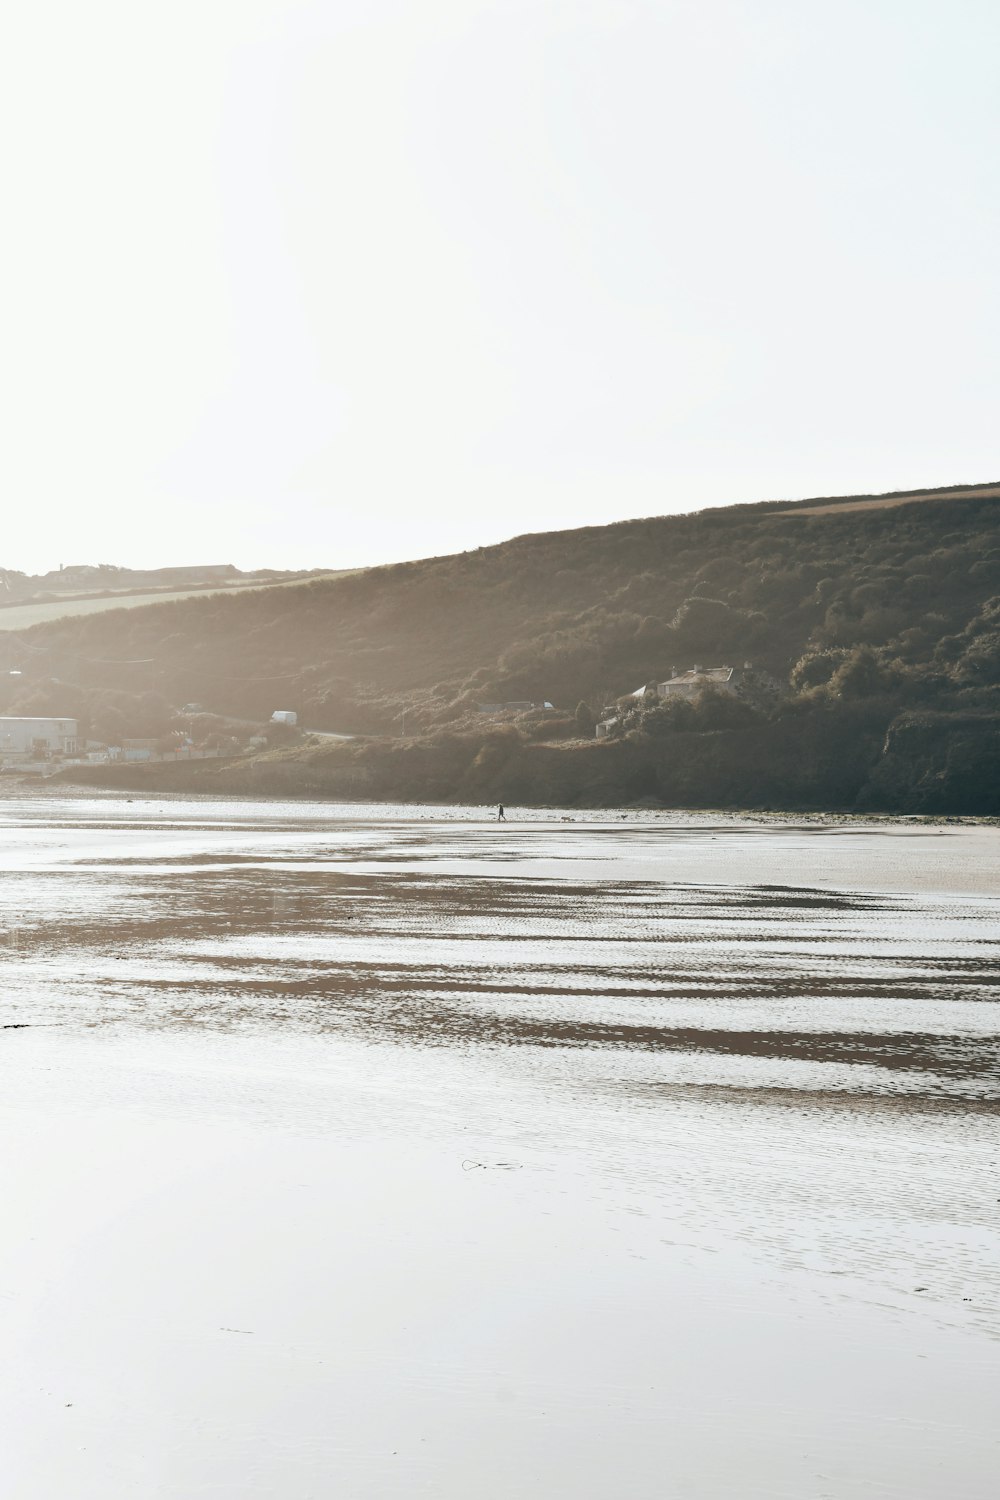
(859, 675)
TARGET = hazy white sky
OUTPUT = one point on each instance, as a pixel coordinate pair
(355, 280)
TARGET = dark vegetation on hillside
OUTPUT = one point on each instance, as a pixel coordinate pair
(883, 626)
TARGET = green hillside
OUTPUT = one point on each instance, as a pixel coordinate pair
(879, 622)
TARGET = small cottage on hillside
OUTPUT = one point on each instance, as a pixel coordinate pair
(696, 679)
(748, 682)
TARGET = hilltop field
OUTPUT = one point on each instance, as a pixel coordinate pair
(27, 600)
(874, 620)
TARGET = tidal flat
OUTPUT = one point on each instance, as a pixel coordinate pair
(375, 1151)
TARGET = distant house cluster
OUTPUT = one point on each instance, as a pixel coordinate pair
(27, 743)
(688, 684)
(43, 744)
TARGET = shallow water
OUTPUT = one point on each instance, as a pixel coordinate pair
(374, 1151)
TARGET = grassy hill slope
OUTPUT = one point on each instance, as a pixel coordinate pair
(882, 623)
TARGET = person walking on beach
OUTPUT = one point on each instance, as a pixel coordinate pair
(500, 814)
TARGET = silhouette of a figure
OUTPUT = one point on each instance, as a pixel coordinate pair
(500, 814)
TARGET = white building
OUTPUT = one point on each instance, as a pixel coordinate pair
(284, 716)
(37, 739)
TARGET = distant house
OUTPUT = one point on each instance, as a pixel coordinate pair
(284, 716)
(689, 684)
(37, 739)
(696, 679)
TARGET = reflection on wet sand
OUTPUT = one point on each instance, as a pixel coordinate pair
(747, 1073)
(903, 984)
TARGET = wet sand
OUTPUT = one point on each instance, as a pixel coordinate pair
(385, 1152)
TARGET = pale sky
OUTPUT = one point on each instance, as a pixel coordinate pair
(301, 284)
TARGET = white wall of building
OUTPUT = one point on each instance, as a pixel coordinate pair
(37, 737)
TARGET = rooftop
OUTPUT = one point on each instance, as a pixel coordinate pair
(701, 675)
